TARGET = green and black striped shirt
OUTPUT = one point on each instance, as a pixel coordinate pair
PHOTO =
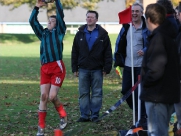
(51, 47)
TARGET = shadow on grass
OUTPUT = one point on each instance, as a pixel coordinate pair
(27, 38)
(19, 84)
(24, 38)
(25, 68)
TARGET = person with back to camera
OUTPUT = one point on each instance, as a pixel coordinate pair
(170, 13)
(178, 105)
(160, 71)
(52, 66)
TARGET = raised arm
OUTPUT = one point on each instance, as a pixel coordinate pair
(33, 20)
(61, 27)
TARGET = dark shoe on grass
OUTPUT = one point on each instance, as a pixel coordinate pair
(83, 120)
(95, 119)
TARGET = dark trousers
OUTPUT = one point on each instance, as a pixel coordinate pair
(127, 84)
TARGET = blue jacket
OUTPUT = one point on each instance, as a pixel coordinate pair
(51, 47)
(121, 43)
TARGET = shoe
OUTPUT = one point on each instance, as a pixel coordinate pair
(142, 123)
(142, 132)
(83, 120)
(63, 122)
(95, 119)
(40, 132)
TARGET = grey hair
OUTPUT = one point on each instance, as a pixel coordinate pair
(139, 4)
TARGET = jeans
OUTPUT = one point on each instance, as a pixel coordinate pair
(127, 84)
(90, 92)
(178, 112)
(178, 109)
(158, 118)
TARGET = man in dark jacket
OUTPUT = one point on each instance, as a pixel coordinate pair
(91, 59)
(160, 71)
(169, 12)
(178, 105)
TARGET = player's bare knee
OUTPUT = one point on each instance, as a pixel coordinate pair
(44, 97)
(52, 98)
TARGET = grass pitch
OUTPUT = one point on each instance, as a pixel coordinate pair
(20, 93)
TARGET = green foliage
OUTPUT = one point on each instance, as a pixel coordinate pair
(129, 2)
(19, 85)
(175, 2)
(17, 3)
(67, 4)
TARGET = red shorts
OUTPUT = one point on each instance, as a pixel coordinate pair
(52, 73)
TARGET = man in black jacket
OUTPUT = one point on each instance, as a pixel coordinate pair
(91, 59)
(178, 105)
(160, 71)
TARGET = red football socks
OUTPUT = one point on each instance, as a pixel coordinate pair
(61, 111)
(41, 116)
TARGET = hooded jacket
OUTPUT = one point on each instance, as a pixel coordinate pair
(160, 67)
(178, 40)
(99, 57)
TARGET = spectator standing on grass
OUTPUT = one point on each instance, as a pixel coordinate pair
(91, 60)
(178, 105)
(52, 67)
(170, 13)
(122, 55)
(160, 71)
(176, 12)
